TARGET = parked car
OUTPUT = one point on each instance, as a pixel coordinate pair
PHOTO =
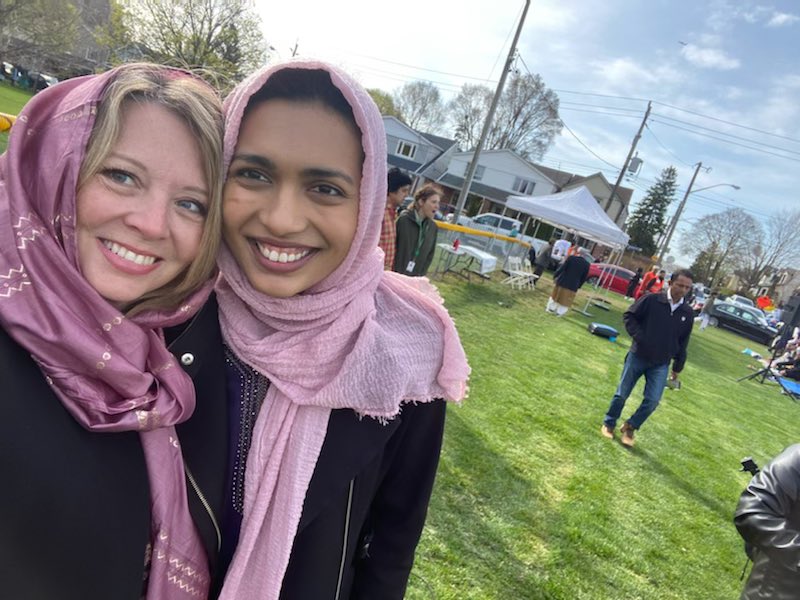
(613, 277)
(737, 299)
(699, 301)
(491, 222)
(743, 320)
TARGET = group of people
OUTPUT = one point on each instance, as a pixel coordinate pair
(652, 282)
(408, 241)
(204, 391)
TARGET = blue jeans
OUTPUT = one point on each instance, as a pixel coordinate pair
(655, 380)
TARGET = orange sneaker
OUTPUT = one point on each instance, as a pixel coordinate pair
(607, 431)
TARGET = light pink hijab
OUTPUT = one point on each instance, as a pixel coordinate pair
(363, 339)
(111, 373)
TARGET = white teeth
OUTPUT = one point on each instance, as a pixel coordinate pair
(127, 254)
(282, 257)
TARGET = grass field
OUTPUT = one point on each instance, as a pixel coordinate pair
(11, 101)
(532, 503)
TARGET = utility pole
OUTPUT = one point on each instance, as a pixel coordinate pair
(628, 159)
(462, 196)
(674, 222)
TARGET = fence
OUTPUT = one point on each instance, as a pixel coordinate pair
(501, 246)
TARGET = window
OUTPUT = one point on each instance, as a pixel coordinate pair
(623, 274)
(508, 224)
(523, 186)
(490, 221)
(406, 149)
(748, 317)
(479, 173)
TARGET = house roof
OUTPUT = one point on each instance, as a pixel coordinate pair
(437, 140)
(560, 178)
(477, 187)
(563, 179)
(403, 163)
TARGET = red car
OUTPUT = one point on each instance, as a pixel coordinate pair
(613, 277)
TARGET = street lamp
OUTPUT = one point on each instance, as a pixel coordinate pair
(674, 222)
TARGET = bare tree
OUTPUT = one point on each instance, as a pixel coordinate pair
(726, 238)
(223, 36)
(421, 105)
(31, 31)
(467, 112)
(779, 248)
(526, 119)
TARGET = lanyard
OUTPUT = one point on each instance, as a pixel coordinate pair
(420, 238)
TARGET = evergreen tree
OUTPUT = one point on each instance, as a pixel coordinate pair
(648, 220)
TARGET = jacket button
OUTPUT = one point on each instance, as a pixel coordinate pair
(187, 359)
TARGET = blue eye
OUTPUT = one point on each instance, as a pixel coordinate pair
(194, 206)
(118, 176)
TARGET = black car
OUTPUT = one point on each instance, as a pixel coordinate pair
(743, 320)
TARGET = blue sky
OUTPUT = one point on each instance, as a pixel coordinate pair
(732, 63)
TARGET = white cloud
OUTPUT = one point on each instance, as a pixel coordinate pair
(709, 58)
(779, 19)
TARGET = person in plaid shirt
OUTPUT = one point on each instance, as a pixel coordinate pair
(399, 185)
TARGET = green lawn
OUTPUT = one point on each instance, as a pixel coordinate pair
(532, 502)
(11, 101)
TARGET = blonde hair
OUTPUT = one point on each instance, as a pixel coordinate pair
(200, 108)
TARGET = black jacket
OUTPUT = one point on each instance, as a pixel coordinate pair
(659, 335)
(408, 231)
(75, 507)
(371, 486)
(572, 273)
(768, 518)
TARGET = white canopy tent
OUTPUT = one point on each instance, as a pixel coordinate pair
(575, 210)
(579, 212)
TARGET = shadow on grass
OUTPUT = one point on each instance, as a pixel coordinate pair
(487, 504)
(689, 488)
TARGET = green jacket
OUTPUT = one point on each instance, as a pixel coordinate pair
(408, 237)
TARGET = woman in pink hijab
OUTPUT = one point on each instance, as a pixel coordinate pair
(109, 226)
(334, 371)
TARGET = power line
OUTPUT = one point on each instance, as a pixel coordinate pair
(660, 143)
(736, 137)
(399, 64)
(728, 141)
(691, 112)
(598, 112)
(579, 140)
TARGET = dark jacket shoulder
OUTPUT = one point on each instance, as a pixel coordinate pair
(76, 504)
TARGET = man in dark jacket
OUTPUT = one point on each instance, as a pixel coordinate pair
(660, 325)
(768, 518)
(569, 278)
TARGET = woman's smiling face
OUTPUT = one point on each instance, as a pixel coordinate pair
(141, 217)
(290, 207)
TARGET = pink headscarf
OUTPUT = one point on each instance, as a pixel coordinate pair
(362, 339)
(110, 372)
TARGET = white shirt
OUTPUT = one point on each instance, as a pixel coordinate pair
(673, 305)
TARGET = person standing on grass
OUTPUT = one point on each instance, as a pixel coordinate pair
(543, 258)
(648, 277)
(660, 325)
(768, 519)
(398, 186)
(633, 284)
(705, 312)
(417, 233)
(569, 278)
